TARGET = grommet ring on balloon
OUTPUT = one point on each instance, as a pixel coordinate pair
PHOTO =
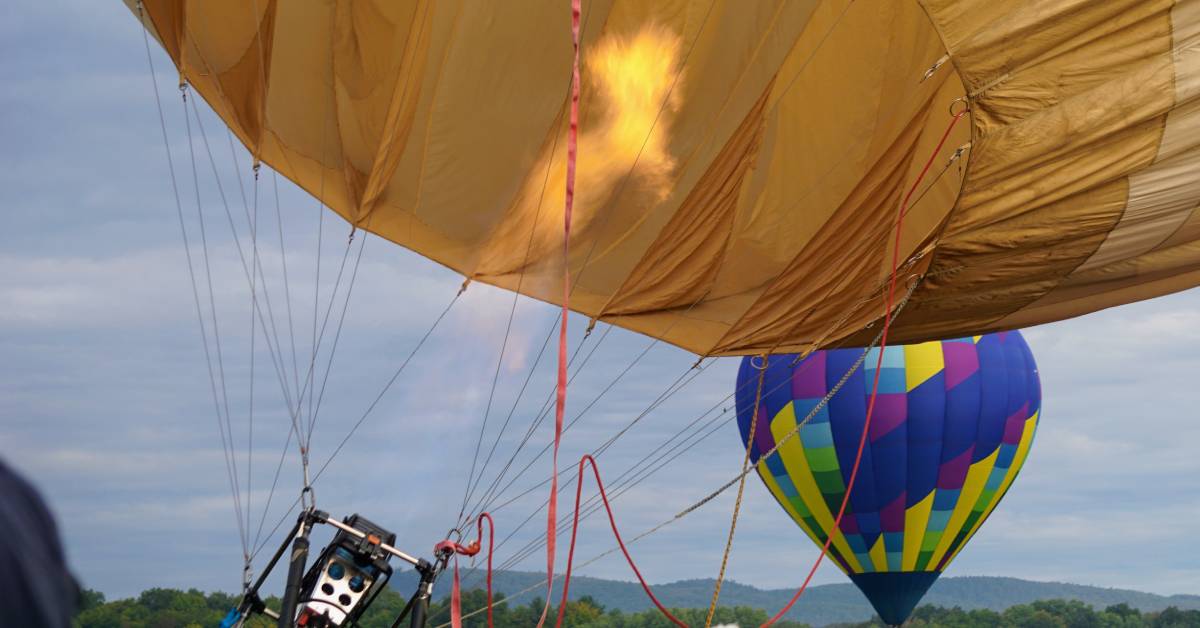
(762, 362)
(966, 106)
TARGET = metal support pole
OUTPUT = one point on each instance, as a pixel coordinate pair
(296, 564)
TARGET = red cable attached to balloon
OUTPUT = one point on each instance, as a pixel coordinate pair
(562, 606)
(469, 550)
(561, 392)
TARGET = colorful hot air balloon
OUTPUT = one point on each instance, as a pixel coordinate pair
(952, 426)
(740, 163)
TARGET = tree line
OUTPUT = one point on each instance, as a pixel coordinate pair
(172, 608)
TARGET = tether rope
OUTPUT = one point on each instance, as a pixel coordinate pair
(712, 605)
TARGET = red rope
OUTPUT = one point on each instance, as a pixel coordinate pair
(561, 397)
(470, 550)
(887, 323)
(562, 606)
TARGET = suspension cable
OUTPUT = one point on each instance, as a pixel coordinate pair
(367, 412)
(484, 500)
(191, 270)
(183, 88)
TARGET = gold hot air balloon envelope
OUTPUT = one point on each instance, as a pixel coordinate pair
(740, 164)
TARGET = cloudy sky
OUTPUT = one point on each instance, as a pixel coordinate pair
(105, 397)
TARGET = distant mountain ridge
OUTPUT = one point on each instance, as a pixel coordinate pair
(821, 605)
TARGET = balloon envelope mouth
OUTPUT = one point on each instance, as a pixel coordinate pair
(894, 594)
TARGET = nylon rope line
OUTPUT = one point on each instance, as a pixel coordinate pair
(540, 416)
(221, 93)
(276, 361)
(468, 489)
(188, 254)
(287, 290)
(791, 434)
(250, 418)
(368, 411)
(486, 505)
(528, 546)
(534, 544)
(571, 148)
(712, 605)
(213, 312)
(276, 357)
(698, 504)
(532, 230)
(262, 69)
(309, 378)
(542, 583)
(849, 313)
(581, 566)
(667, 460)
(310, 381)
(256, 269)
(512, 410)
(664, 460)
(337, 336)
(675, 387)
(248, 272)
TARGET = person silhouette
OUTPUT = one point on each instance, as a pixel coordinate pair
(36, 586)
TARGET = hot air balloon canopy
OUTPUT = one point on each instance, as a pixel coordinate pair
(740, 164)
(952, 425)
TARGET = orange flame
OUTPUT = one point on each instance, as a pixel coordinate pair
(633, 86)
